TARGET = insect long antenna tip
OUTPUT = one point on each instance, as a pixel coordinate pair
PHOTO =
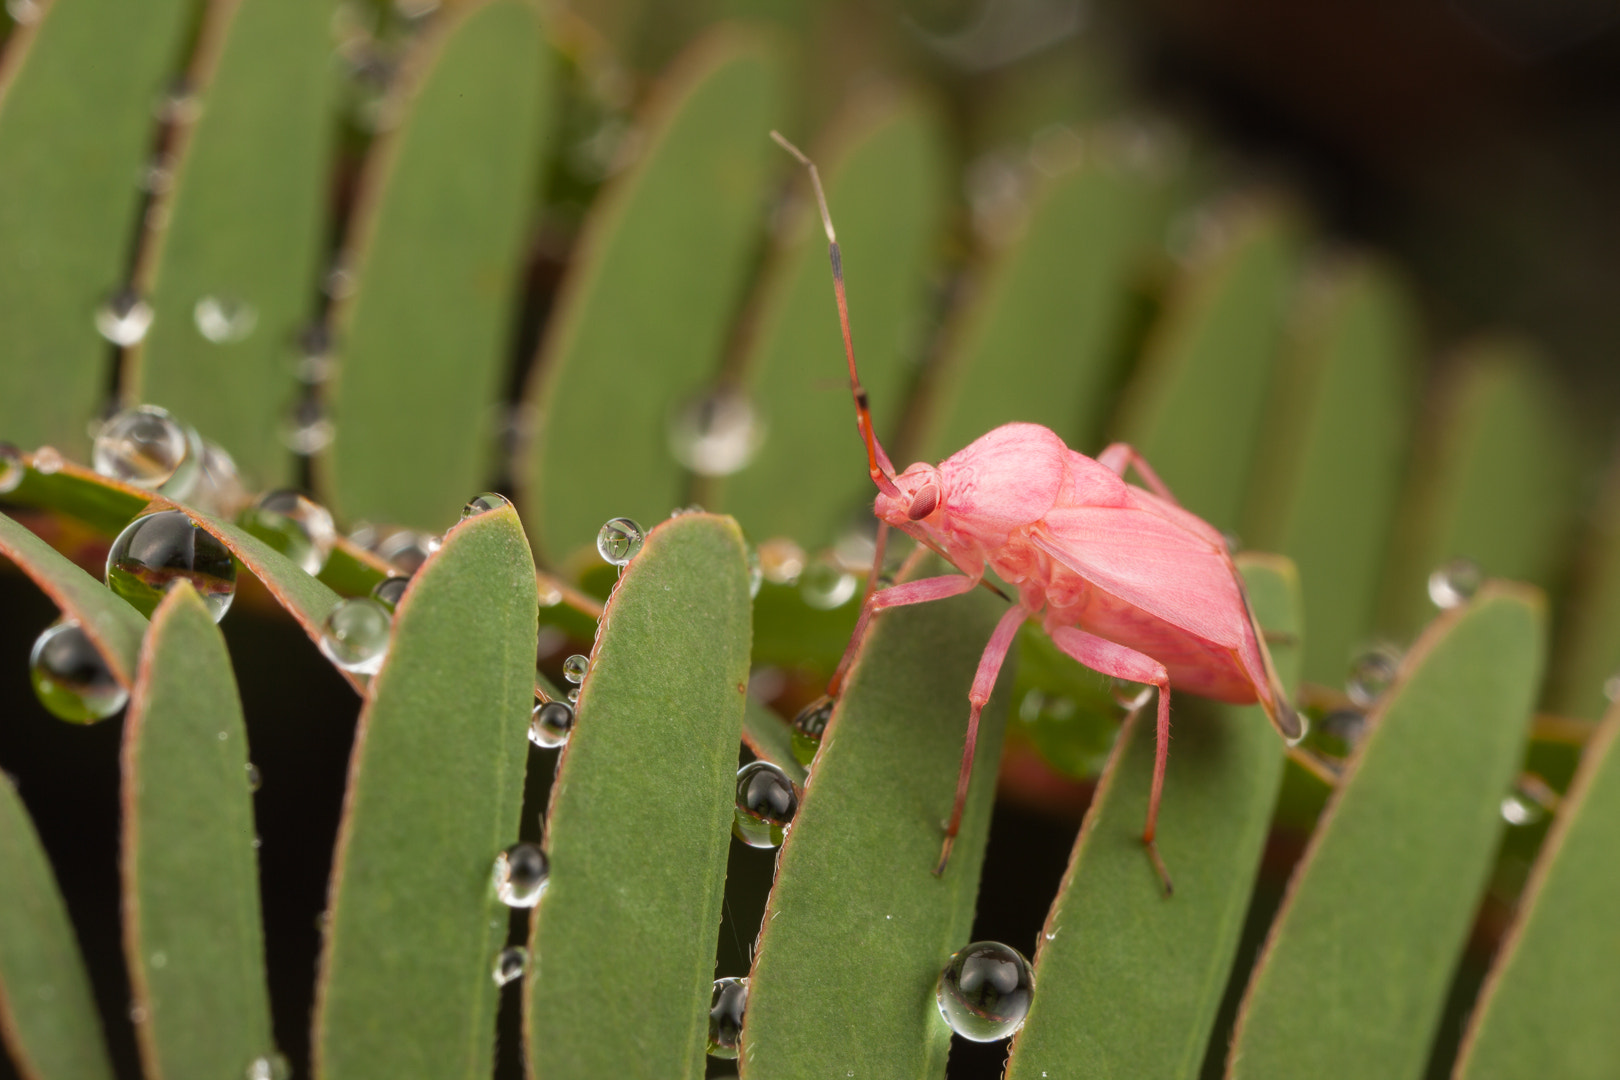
(815, 182)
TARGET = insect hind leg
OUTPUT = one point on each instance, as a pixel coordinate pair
(1121, 456)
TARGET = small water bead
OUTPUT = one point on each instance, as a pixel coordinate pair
(314, 365)
(573, 696)
(294, 525)
(1371, 674)
(521, 873)
(489, 500)
(255, 778)
(509, 964)
(70, 677)
(219, 487)
(307, 431)
(985, 991)
(1454, 583)
(766, 803)
(224, 319)
(148, 448)
(619, 541)
(1611, 687)
(1519, 811)
(12, 468)
(826, 585)
(355, 635)
(408, 550)
(716, 434)
(272, 1066)
(809, 727)
(551, 724)
(1346, 728)
(575, 667)
(390, 591)
(157, 550)
(781, 560)
(124, 319)
(47, 461)
(756, 574)
(726, 1008)
(1131, 696)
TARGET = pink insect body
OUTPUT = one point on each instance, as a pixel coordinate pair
(1121, 578)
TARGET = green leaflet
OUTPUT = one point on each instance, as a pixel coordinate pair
(1588, 650)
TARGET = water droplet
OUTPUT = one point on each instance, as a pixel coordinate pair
(255, 778)
(856, 546)
(726, 1010)
(1611, 687)
(408, 550)
(219, 488)
(551, 724)
(24, 12)
(271, 1066)
(573, 696)
(766, 803)
(124, 318)
(224, 319)
(1131, 696)
(390, 591)
(295, 525)
(47, 461)
(1454, 583)
(1347, 727)
(809, 727)
(314, 355)
(12, 469)
(826, 585)
(575, 667)
(521, 872)
(307, 431)
(71, 678)
(159, 959)
(179, 105)
(355, 635)
(550, 594)
(1371, 674)
(489, 500)
(157, 550)
(985, 991)
(619, 541)
(137, 1014)
(716, 434)
(1517, 811)
(509, 964)
(756, 574)
(781, 561)
(148, 448)
(157, 176)
(340, 283)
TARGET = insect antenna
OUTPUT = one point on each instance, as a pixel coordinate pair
(877, 461)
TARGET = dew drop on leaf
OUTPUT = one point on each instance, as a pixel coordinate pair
(726, 1008)
(509, 964)
(766, 803)
(12, 469)
(390, 591)
(826, 585)
(70, 677)
(124, 318)
(150, 449)
(809, 727)
(551, 724)
(716, 434)
(781, 561)
(295, 525)
(521, 873)
(985, 991)
(575, 667)
(1454, 582)
(47, 461)
(1371, 674)
(355, 635)
(224, 319)
(156, 550)
(619, 541)
(489, 500)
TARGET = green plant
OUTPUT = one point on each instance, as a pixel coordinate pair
(1275, 391)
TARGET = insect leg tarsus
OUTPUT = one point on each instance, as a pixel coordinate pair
(1121, 456)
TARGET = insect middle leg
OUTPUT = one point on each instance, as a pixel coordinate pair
(1109, 658)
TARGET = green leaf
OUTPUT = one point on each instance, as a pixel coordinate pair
(48, 1016)
(1548, 1008)
(1360, 958)
(351, 570)
(646, 309)
(858, 927)
(435, 790)
(75, 131)
(438, 239)
(885, 177)
(102, 503)
(246, 216)
(1333, 455)
(771, 739)
(1043, 340)
(1496, 481)
(1128, 981)
(191, 883)
(1194, 407)
(1587, 655)
(107, 618)
(640, 817)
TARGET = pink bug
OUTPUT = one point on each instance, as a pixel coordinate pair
(1121, 578)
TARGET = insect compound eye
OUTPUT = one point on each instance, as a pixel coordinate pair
(923, 503)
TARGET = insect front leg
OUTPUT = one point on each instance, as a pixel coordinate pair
(1121, 456)
(1109, 658)
(910, 592)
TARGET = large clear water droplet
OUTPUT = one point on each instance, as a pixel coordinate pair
(489, 500)
(985, 991)
(619, 541)
(148, 448)
(155, 551)
(224, 319)
(826, 585)
(124, 319)
(766, 803)
(716, 434)
(1454, 582)
(521, 873)
(1371, 674)
(726, 1007)
(809, 727)
(295, 525)
(551, 724)
(509, 964)
(781, 560)
(390, 591)
(355, 635)
(12, 469)
(271, 1066)
(575, 667)
(408, 550)
(70, 677)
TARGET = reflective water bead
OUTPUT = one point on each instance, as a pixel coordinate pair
(157, 550)
(1519, 811)
(1131, 696)
(489, 500)
(47, 461)
(1454, 583)
(619, 541)
(509, 964)
(355, 635)
(756, 574)
(825, 584)
(124, 319)
(809, 727)
(314, 355)
(408, 550)
(1347, 727)
(144, 446)
(716, 434)
(271, 1066)
(781, 561)
(218, 488)
(726, 1008)
(1371, 674)
(551, 724)
(255, 778)
(307, 431)
(12, 469)
(521, 872)
(985, 991)
(1611, 687)
(224, 319)
(70, 677)
(389, 591)
(573, 696)
(575, 667)
(295, 525)
(766, 803)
